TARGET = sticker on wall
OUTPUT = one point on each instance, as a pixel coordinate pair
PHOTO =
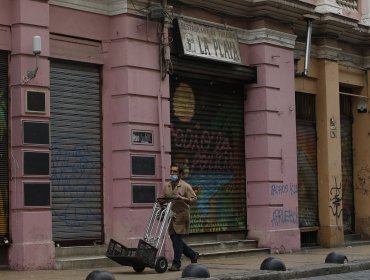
(140, 137)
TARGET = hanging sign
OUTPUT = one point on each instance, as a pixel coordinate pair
(209, 42)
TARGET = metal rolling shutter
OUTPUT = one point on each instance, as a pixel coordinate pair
(307, 161)
(4, 177)
(347, 164)
(207, 137)
(76, 151)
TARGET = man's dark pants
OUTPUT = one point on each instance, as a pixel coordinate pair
(179, 248)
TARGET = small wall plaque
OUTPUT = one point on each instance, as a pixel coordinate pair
(142, 193)
(36, 163)
(143, 165)
(35, 102)
(142, 137)
(36, 194)
(36, 133)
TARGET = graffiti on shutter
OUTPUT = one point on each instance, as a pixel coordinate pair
(207, 137)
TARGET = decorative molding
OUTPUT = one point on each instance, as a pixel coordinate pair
(94, 6)
(365, 20)
(349, 59)
(332, 53)
(256, 36)
(106, 7)
(366, 62)
(267, 36)
(328, 6)
(328, 52)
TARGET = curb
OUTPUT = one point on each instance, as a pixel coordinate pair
(299, 272)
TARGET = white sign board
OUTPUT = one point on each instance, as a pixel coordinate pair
(205, 41)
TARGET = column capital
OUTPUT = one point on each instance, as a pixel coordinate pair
(328, 52)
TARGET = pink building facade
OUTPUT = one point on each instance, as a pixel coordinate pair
(113, 102)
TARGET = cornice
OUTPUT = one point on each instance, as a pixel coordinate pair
(366, 61)
(331, 7)
(105, 7)
(94, 6)
(267, 36)
(255, 36)
(333, 53)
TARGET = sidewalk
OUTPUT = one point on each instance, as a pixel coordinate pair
(307, 263)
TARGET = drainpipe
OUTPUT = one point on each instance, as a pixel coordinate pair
(309, 19)
(161, 132)
(159, 100)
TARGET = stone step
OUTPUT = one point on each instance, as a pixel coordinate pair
(64, 252)
(94, 256)
(352, 237)
(233, 253)
(205, 247)
(77, 262)
(355, 240)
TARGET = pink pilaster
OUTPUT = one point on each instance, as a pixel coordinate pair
(30, 227)
(271, 164)
(135, 98)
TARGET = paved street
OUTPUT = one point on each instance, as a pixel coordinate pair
(348, 276)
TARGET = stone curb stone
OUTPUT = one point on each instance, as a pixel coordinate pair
(299, 272)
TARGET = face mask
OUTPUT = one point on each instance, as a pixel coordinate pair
(174, 178)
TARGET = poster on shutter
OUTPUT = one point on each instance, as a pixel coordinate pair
(210, 42)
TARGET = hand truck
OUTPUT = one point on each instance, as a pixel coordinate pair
(148, 251)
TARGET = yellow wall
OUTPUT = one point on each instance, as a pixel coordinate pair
(323, 80)
(361, 163)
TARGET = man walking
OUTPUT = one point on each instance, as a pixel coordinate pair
(182, 195)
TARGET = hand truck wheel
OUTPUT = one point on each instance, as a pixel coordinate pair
(161, 265)
(138, 267)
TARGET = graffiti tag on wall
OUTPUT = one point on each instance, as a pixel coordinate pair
(283, 189)
(336, 200)
(284, 217)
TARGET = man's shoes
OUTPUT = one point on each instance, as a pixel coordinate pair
(174, 268)
(195, 259)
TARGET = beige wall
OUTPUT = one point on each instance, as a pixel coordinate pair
(361, 164)
(323, 80)
(328, 157)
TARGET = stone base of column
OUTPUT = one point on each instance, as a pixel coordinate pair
(331, 236)
(279, 241)
(35, 256)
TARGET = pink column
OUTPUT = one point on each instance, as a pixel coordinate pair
(30, 227)
(271, 163)
(137, 100)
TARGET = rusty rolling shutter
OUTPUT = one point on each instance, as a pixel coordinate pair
(4, 177)
(207, 137)
(307, 161)
(347, 163)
